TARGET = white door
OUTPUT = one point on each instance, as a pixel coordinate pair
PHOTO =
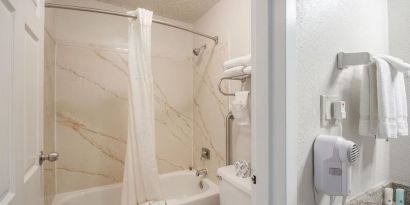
(21, 101)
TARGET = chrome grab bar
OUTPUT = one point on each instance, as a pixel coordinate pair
(228, 121)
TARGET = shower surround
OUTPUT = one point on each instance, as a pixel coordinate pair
(91, 95)
(91, 98)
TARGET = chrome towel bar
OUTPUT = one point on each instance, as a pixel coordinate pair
(345, 60)
(242, 78)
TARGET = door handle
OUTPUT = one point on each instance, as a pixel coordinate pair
(52, 157)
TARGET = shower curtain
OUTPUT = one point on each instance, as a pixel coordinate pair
(141, 181)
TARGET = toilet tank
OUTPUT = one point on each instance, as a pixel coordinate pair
(233, 189)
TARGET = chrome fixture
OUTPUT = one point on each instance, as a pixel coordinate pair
(228, 121)
(202, 172)
(115, 13)
(205, 153)
(52, 157)
(197, 51)
(345, 60)
(242, 78)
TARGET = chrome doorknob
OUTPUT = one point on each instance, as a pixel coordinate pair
(52, 157)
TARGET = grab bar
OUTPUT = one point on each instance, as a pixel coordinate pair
(228, 121)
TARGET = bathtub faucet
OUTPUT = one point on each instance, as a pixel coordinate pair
(202, 172)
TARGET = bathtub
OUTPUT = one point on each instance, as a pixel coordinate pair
(178, 188)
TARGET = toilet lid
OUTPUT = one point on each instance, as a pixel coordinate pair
(228, 174)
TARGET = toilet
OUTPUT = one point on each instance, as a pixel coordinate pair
(233, 189)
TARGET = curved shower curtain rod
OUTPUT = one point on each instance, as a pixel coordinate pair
(114, 13)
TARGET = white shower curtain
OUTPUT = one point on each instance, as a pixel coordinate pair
(141, 181)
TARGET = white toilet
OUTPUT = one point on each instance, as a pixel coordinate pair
(233, 189)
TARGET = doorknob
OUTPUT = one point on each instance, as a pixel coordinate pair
(52, 157)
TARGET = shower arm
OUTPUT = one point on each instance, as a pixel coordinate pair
(115, 13)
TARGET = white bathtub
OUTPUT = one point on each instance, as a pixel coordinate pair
(178, 188)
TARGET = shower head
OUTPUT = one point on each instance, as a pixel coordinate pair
(197, 51)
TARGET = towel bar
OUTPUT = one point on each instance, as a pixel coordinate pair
(345, 60)
(242, 78)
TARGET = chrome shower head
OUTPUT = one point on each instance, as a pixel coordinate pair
(197, 51)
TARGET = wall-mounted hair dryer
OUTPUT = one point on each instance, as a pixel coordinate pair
(333, 157)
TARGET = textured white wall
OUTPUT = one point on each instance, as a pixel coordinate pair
(324, 28)
(399, 28)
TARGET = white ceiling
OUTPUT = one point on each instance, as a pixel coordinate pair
(183, 10)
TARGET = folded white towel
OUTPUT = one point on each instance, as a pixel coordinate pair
(241, 61)
(383, 101)
(237, 71)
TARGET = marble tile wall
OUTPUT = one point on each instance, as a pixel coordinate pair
(49, 116)
(91, 98)
(91, 103)
(210, 109)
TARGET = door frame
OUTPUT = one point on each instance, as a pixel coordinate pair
(274, 102)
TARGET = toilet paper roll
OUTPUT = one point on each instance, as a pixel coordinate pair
(243, 168)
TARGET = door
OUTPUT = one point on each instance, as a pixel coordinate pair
(21, 101)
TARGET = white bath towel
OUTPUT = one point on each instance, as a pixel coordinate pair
(368, 123)
(387, 87)
(237, 71)
(383, 102)
(401, 68)
(241, 61)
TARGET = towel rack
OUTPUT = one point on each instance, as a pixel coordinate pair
(345, 60)
(242, 78)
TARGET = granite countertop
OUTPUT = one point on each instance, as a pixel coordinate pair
(375, 196)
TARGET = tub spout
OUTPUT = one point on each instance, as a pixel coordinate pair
(202, 172)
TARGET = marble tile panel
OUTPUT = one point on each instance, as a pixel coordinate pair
(92, 114)
(210, 109)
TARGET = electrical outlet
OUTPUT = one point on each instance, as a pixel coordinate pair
(326, 109)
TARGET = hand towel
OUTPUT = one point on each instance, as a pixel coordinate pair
(237, 71)
(241, 61)
(240, 109)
